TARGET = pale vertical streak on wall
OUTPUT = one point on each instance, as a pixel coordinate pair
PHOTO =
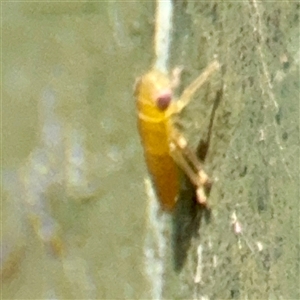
(163, 28)
(155, 241)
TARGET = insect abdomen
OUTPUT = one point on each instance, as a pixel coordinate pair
(164, 174)
(161, 166)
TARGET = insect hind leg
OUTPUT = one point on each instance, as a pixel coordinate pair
(187, 160)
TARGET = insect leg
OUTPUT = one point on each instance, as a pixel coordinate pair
(188, 93)
(190, 164)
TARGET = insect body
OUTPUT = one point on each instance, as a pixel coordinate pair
(154, 96)
(164, 146)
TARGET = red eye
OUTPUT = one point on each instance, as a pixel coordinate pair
(164, 99)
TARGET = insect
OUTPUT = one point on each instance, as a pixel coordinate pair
(165, 148)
